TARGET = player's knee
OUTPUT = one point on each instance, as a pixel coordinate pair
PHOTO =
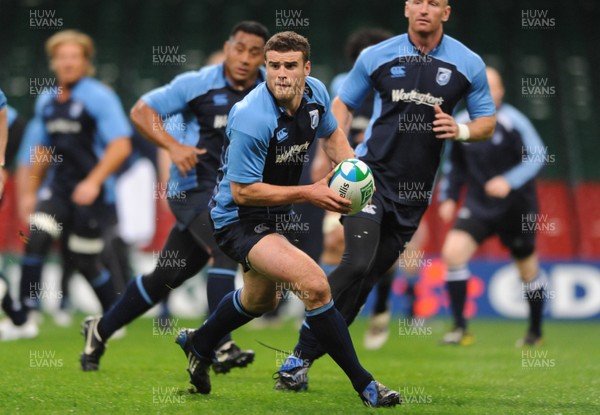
(317, 293)
(452, 256)
(356, 265)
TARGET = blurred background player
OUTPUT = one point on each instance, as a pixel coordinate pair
(80, 128)
(200, 101)
(501, 200)
(418, 78)
(133, 188)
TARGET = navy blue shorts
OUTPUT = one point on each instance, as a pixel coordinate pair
(516, 228)
(237, 239)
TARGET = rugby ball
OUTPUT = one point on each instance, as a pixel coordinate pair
(352, 179)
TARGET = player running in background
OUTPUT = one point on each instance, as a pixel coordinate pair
(500, 200)
(200, 101)
(266, 132)
(418, 78)
(80, 128)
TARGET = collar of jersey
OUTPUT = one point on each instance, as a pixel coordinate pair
(432, 52)
(282, 111)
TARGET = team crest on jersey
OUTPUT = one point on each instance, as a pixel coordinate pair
(75, 109)
(397, 71)
(443, 76)
(220, 100)
(314, 118)
(282, 135)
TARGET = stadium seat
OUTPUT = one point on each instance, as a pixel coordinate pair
(587, 200)
(556, 224)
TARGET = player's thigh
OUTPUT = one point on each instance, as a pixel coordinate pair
(458, 247)
(287, 266)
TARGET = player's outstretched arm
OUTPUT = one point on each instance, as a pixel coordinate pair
(145, 118)
(446, 127)
(263, 194)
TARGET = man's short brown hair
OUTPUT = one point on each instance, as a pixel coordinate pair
(289, 42)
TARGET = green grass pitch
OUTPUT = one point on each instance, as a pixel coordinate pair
(145, 373)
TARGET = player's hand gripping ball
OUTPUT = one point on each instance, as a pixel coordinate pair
(352, 179)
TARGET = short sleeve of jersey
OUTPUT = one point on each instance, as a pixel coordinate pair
(173, 97)
(246, 157)
(327, 123)
(479, 99)
(249, 136)
(111, 120)
(2, 100)
(357, 84)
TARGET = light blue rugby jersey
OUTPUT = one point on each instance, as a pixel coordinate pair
(267, 145)
(407, 84)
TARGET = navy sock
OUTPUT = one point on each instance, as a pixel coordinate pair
(134, 302)
(229, 315)
(220, 282)
(458, 296)
(535, 294)
(330, 329)
(308, 347)
(31, 275)
(536, 309)
(104, 289)
(456, 282)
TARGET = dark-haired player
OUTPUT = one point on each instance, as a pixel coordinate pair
(266, 133)
(187, 118)
(501, 199)
(418, 78)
